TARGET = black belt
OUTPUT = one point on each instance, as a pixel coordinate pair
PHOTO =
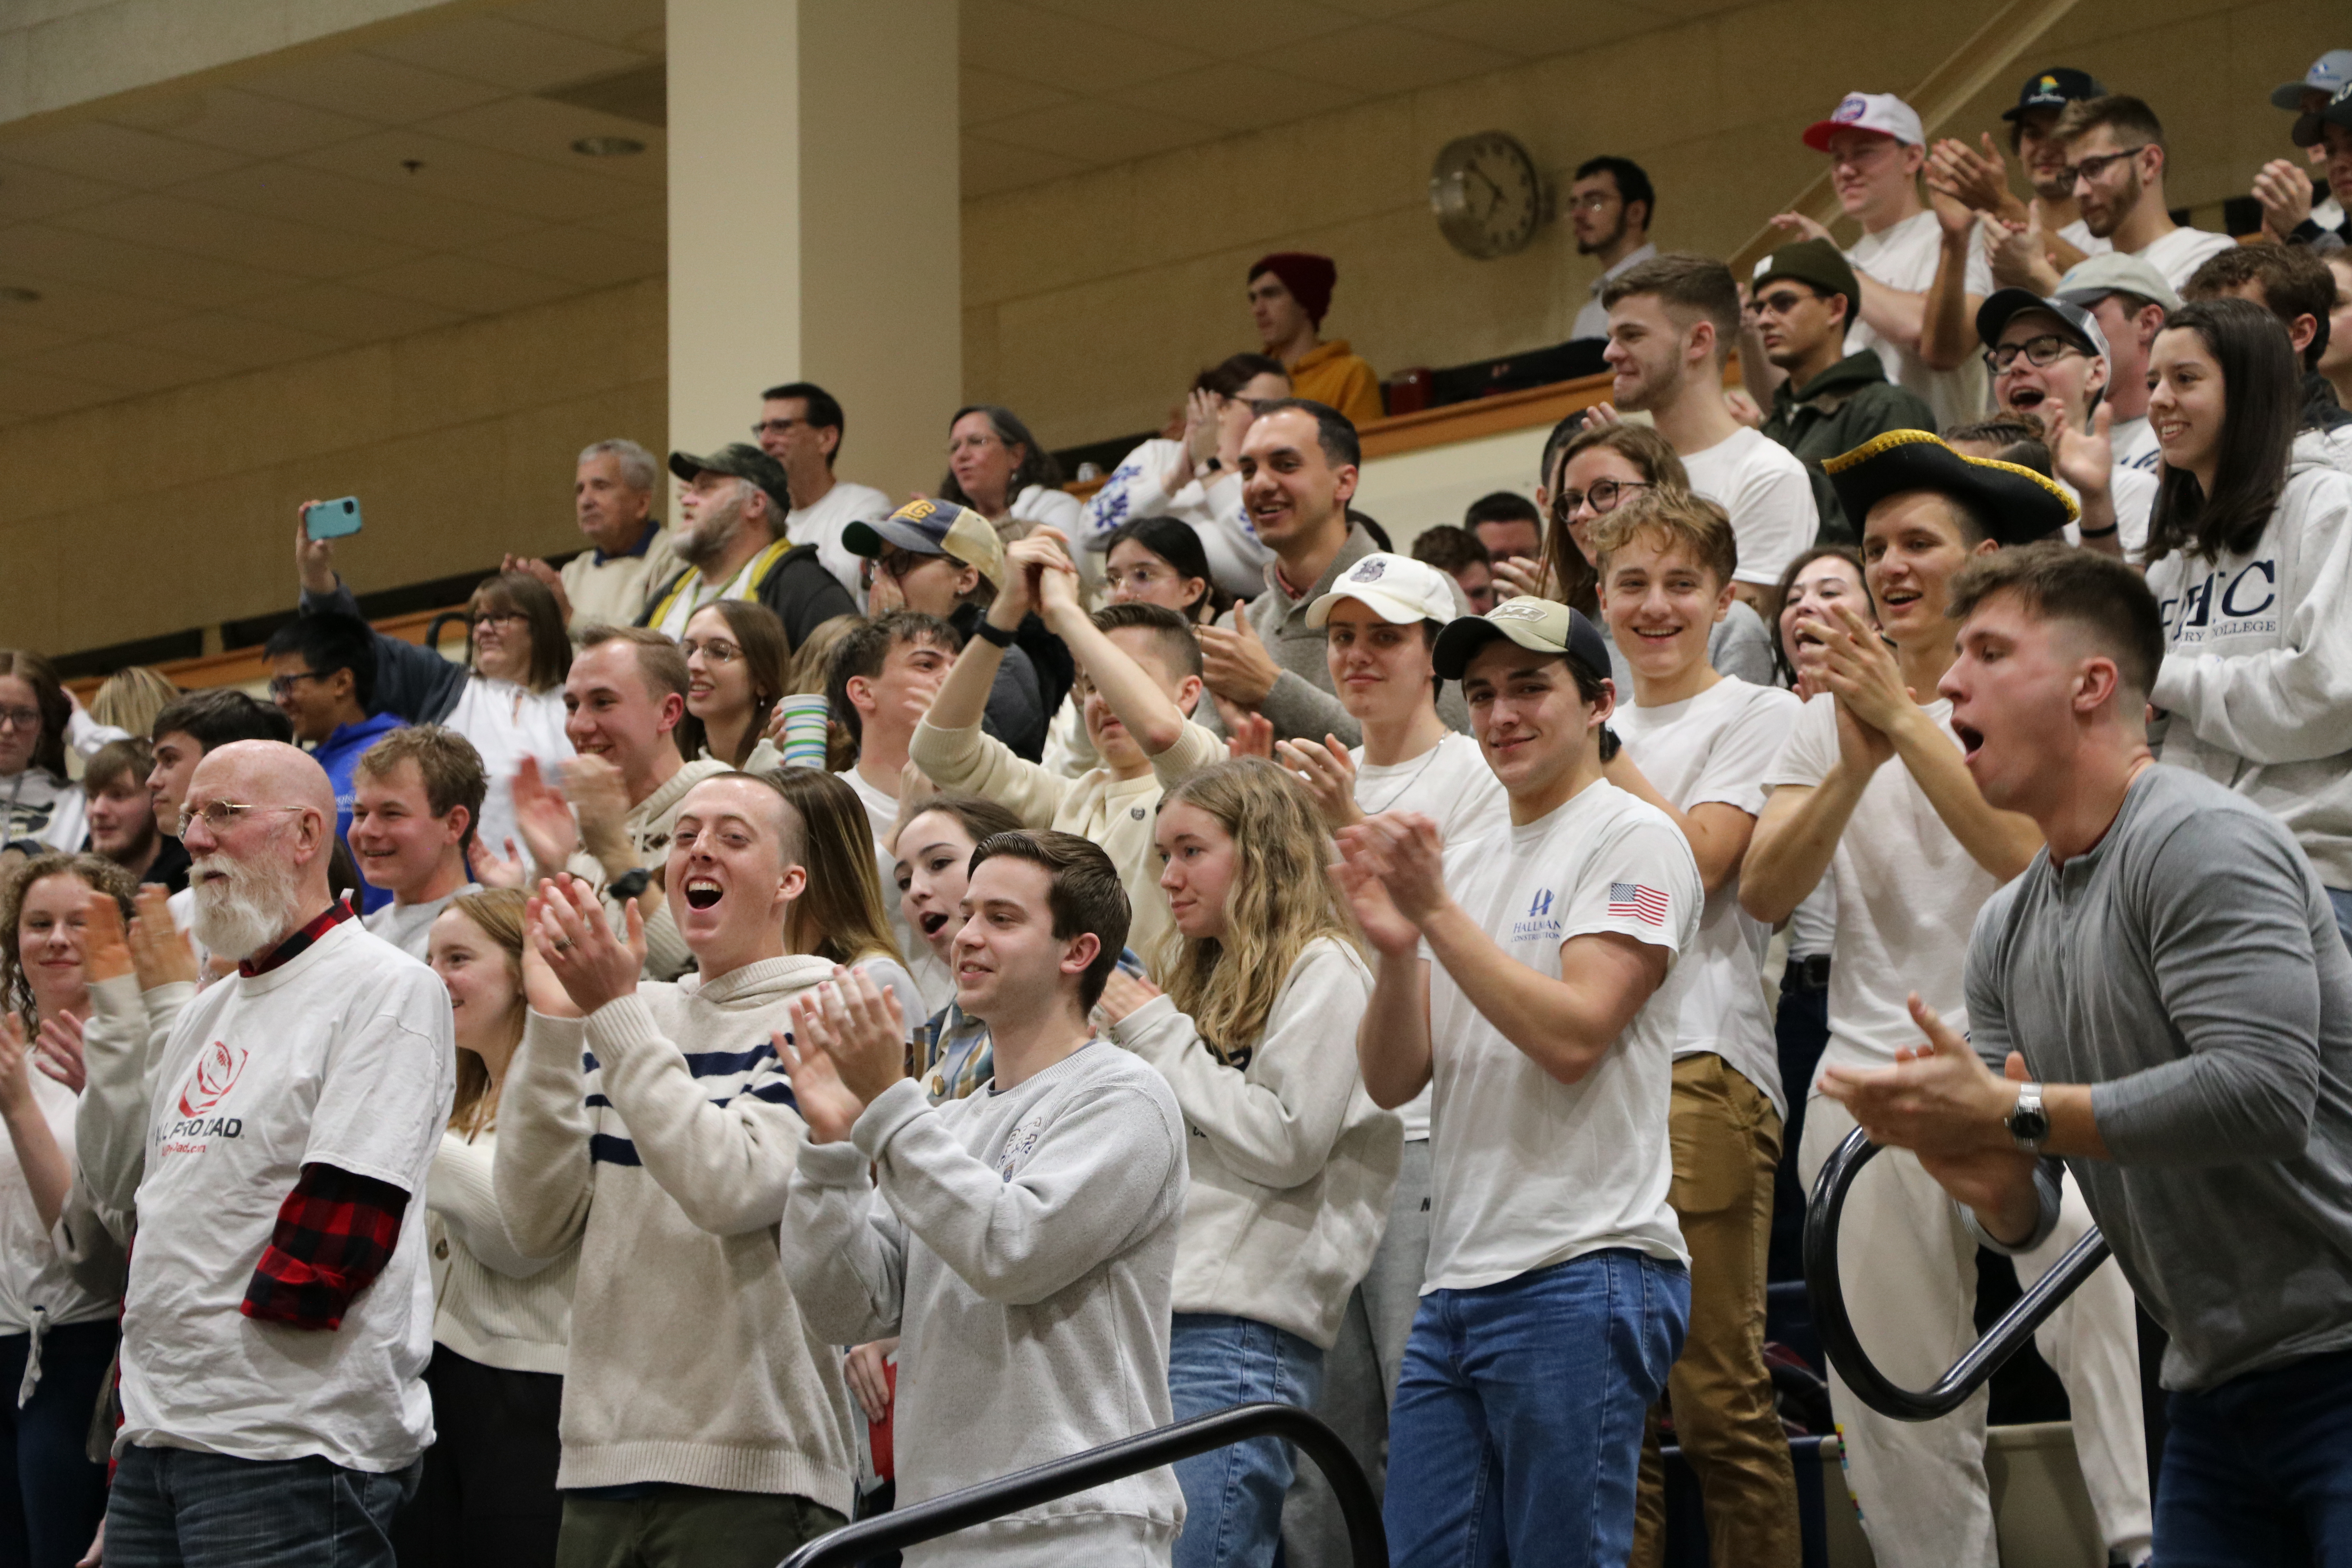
(1810, 973)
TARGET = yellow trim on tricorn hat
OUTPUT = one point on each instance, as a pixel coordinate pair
(2019, 505)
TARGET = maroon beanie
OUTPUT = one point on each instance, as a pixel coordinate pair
(1308, 279)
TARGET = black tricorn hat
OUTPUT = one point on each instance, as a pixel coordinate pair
(2018, 505)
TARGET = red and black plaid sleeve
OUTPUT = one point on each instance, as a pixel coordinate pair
(335, 1233)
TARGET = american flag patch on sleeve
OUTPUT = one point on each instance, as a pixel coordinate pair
(1645, 904)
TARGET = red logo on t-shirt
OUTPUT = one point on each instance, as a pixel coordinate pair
(216, 1075)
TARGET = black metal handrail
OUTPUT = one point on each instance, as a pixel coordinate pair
(1367, 1544)
(1827, 1294)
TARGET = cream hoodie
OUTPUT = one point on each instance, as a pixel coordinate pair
(660, 1134)
(1292, 1163)
(2257, 673)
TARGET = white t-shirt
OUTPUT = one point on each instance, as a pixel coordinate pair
(1907, 896)
(1902, 255)
(409, 927)
(1451, 784)
(1763, 488)
(2134, 446)
(31, 1274)
(506, 723)
(2133, 491)
(1716, 747)
(2078, 235)
(1527, 1171)
(2180, 252)
(821, 525)
(931, 978)
(341, 1055)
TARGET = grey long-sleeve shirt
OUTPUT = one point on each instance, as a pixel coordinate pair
(1023, 1244)
(2190, 969)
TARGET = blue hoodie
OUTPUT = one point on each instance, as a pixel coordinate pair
(339, 753)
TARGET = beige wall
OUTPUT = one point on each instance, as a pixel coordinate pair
(1088, 302)
(147, 516)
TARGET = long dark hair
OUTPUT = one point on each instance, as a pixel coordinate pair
(1037, 466)
(1176, 544)
(2261, 407)
(49, 697)
(1782, 665)
(1564, 565)
(767, 653)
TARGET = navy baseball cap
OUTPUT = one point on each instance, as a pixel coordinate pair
(2054, 88)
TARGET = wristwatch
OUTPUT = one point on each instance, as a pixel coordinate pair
(2028, 1123)
(629, 884)
(1212, 464)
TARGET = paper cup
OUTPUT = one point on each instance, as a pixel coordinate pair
(804, 730)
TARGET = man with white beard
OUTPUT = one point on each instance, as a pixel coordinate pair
(279, 1313)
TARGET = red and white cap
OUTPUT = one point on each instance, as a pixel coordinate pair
(1879, 111)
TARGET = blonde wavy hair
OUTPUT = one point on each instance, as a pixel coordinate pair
(1283, 897)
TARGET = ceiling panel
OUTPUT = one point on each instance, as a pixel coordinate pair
(178, 234)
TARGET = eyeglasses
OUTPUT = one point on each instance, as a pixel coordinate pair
(896, 563)
(283, 685)
(219, 816)
(2092, 168)
(717, 650)
(493, 618)
(778, 426)
(21, 718)
(1603, 497)
(1781, 302)
(1592, 201)
(2047, 349)
(1143, 574)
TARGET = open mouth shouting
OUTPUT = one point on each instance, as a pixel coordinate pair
(702, 893)
(933, 923)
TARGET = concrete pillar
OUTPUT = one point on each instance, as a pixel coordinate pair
(815, 231)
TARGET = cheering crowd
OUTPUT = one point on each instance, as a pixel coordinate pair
(827, 1005)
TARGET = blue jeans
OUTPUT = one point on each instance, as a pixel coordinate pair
(1233, 1496)
(51, 1495)
(1517, 1435)
(2258, 1470)
(174, 1506)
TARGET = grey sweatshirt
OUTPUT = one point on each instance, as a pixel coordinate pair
(2190, 969)
(1302, 703)
(659, 1135)
(1292, 1163)
(2257, 672)
(1022, 1244)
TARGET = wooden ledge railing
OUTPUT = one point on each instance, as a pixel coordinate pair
(245, 667)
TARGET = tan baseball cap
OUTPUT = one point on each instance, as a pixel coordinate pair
(934, 528)
(1546, 625)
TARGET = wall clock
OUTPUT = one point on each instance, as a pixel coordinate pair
(1487, 196)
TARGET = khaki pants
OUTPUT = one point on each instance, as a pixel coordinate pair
(689, 1527)
(1727, 1140)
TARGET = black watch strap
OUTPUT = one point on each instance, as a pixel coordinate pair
(629, 884)
(992, 633)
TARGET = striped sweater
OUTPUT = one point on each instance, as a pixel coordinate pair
(661, 1134)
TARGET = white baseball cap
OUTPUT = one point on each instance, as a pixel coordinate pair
(1879, 111)
(1400, 590)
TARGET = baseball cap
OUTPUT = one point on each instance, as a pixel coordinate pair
(2337, 112)
(2095, 278)
(2055, 89)
(742, 462)
(2330, 74)
(1993, 316)
(1879, 111)
(934, 528)
(1400, 590)
(1817, 262)
(1544, 624)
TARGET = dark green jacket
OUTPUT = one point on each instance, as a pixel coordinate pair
(1837, 411)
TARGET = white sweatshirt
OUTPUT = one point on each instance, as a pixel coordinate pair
(2257, 673)
(492, 1303)
(1022, 1244)
(1138, 488)
(1292, 1163)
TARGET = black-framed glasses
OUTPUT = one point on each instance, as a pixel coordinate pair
(2092, 168)
(1603, 497)
(219, 816)
(779, 427)
(493, 618)
(2046, 350)
(20, 718)
(283, 685)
